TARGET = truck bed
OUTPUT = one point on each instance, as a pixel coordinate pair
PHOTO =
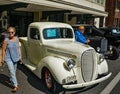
(24, 45)
(23, 40)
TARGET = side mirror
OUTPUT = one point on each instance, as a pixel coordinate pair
(36, 37)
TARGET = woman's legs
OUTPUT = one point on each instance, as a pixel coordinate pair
(12, 70)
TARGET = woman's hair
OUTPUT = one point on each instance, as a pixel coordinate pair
(11, 28)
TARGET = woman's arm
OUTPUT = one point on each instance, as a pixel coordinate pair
(4, 44)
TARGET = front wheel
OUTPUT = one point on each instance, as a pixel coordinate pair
(114, 54)
(50, 84)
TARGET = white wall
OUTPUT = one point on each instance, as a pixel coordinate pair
(86, 3)
(96, 22)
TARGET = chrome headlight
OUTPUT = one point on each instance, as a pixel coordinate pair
(70, 63)
(98, 49)
(110, 47)
(101, 58)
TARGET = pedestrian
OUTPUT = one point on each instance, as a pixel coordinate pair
(79, 35)
(11, 55)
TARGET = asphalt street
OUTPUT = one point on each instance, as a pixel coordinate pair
(30, 84)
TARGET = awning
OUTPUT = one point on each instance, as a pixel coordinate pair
(50, 5)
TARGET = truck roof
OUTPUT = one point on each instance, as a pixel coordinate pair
(50, 24)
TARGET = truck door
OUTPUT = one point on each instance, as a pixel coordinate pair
(34, 47)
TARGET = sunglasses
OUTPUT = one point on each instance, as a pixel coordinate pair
(10, 32)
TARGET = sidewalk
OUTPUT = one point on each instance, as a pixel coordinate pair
(0, 57)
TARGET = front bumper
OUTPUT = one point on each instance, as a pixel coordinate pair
(73, 86)
(110, 52)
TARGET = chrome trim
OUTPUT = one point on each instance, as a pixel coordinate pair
(104, 44)
(84, 84)
(88, 65)
(59, 53)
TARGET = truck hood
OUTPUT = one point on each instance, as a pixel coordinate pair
(69, 46)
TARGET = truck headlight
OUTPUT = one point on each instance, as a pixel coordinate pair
(70, 63)
(110, 47)
(101, 58)
(98, 49)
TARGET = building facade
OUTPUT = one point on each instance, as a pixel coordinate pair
(20, 13)
(113, 19)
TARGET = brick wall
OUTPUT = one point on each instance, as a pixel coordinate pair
(110, 8)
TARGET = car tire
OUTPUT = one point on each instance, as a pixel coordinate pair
(118, 48)
(49, 82)
(115, 54)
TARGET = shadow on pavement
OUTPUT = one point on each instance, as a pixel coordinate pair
(5, 80)
(38, 84)
(33, 79)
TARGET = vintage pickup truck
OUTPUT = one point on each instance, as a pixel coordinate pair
(51, 52)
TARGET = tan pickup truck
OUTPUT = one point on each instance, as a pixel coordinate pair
(51, 52)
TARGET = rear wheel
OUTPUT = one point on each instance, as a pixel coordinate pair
(50, 84)
(118, 48)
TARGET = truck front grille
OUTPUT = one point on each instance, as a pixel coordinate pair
(88, 65)
(104, 44)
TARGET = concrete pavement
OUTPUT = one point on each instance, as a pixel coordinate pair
(0, 57)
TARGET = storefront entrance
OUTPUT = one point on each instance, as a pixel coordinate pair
(20, 20)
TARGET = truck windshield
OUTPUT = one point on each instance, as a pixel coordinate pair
(55, 33)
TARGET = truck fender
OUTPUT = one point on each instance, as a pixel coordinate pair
(56, 66)
(103, 67)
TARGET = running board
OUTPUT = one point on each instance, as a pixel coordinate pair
(29, 65)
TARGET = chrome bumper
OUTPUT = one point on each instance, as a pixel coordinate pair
(73, 86)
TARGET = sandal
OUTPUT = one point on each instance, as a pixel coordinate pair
(15, 89)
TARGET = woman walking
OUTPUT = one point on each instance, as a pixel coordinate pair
(11, 54)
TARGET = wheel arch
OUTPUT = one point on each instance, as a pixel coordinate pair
(56, 67)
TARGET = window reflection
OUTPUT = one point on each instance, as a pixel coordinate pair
(57, 33)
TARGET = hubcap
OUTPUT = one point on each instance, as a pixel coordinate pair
(48, 79)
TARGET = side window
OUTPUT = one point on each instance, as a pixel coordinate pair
(34, 34)
(51, 33)
(66, 33)
(87, 30)
(114, 31)
(57, 33)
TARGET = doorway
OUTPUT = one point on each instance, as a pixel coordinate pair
(20, 20)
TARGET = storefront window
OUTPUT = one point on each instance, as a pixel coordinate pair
(85, 19)
(57, 16)
(101, 2)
